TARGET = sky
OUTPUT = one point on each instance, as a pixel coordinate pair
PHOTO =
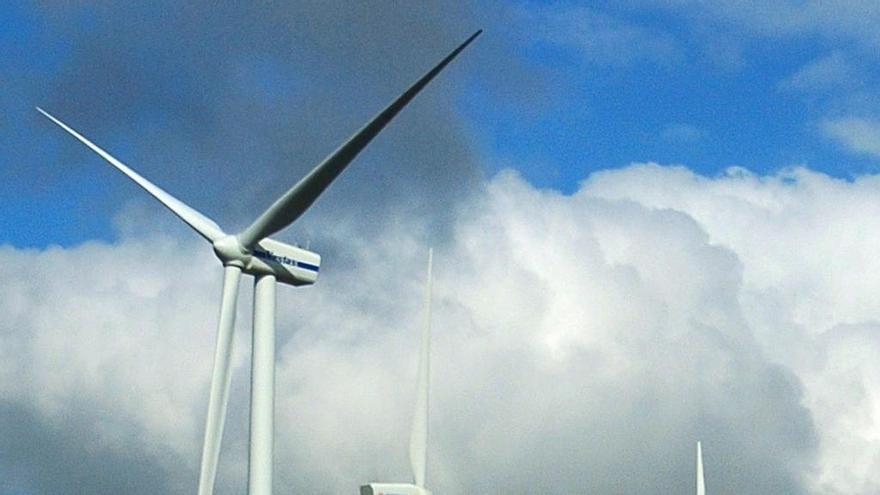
(654, 222)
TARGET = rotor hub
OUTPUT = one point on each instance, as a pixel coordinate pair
(231, 252)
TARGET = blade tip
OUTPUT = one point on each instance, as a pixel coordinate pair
(48, 115)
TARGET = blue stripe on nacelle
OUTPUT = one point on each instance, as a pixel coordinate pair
(307, 266)
(284, 260)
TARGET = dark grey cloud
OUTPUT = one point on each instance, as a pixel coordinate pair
(38, 456)
(228, 105)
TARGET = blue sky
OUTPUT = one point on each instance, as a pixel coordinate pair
(553, 90)
(679, 103)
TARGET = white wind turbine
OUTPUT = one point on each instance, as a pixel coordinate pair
(701, 481)
(251, 251)
(418, 441)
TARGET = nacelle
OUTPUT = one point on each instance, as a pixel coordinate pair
(290, 264)
(393, 489)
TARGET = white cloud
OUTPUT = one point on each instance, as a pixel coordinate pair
(836, 20)
(823, 74)
(111, 342)
(582, 343)
(680, 132)
(856, 134)
(807, 244)
(599, 37)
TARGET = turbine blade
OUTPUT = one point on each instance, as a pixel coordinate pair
(300, 197)
(701, 482)
(418, 442)
(200, 223)
(219, 395)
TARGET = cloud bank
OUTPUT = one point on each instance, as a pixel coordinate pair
(583, 343)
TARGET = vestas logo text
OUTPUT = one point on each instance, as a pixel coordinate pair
(284, 260)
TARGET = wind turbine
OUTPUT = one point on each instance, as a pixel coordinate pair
(252, 252)
(701, 481)
(418, 441)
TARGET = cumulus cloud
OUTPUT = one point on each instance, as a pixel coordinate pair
(807, 247)
(582, 344)
(102, 354)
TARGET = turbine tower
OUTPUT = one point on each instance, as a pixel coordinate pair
(418, 442)
(252, 252)
(701, 481)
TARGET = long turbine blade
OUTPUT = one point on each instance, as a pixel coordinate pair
(200, 223)
(219, 396)
(701, 482)
(418, 442)
(300, 197)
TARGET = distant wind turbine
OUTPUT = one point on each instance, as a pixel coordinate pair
(251, 251)
(701, 481)
(418, 442)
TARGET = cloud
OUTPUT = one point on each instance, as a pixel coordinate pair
(809, 269)
(859, 135)
(825, 73)
(582, 344)
(835, 20)
(100, 364)
(600, 37)
(682, 133)
(206, 98)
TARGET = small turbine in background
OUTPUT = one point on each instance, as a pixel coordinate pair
(418, 441)
(701, 481)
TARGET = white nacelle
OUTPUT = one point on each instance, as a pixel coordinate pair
(290, 264)
(393, 489)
